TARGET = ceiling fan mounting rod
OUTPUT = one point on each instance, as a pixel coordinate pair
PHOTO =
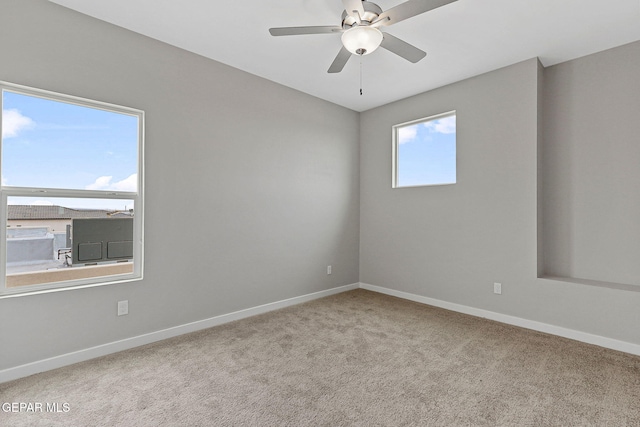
(371, 14)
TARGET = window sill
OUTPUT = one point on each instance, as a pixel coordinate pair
(67, 274)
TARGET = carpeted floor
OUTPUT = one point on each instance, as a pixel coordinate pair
(353, 359)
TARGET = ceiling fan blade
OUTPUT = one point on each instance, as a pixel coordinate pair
(379, 22)
(402, 48)
(354, 8)
(295, 31)
(409, 9)
(340, 61)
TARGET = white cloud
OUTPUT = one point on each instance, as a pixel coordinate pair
(104, 183)
(4, 180)
(407, 134)
(13, 122)
(128, 184)
(446, 125)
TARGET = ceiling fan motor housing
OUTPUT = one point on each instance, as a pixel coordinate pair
(371, 13)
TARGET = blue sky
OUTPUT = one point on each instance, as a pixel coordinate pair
(53, 144)
(427, 153)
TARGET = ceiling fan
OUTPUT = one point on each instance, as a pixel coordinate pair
(361, 35)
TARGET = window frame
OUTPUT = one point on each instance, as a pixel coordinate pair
(396, 143)
(16, 191)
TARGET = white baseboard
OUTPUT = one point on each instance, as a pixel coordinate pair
(598, 340)
(114, 347)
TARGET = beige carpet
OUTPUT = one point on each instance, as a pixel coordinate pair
(354, 359)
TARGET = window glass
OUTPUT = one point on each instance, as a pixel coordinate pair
(52, 144)
(425, 152)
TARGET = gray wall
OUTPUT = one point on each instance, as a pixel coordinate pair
(591, 163)
(452, 242)
(251, 187)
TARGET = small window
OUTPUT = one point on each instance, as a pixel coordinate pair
(71, 194)
(424, 152)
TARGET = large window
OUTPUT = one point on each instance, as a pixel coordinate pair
(424, 151)
(71, 205)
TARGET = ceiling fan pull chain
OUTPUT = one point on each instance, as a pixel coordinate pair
(360, 75)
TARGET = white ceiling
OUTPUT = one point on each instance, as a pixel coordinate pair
(462, 39)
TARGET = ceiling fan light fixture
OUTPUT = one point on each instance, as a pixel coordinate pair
(361, 40)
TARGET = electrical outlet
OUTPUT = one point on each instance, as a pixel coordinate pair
(123, 307)
(328, 269)
(497, 288)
